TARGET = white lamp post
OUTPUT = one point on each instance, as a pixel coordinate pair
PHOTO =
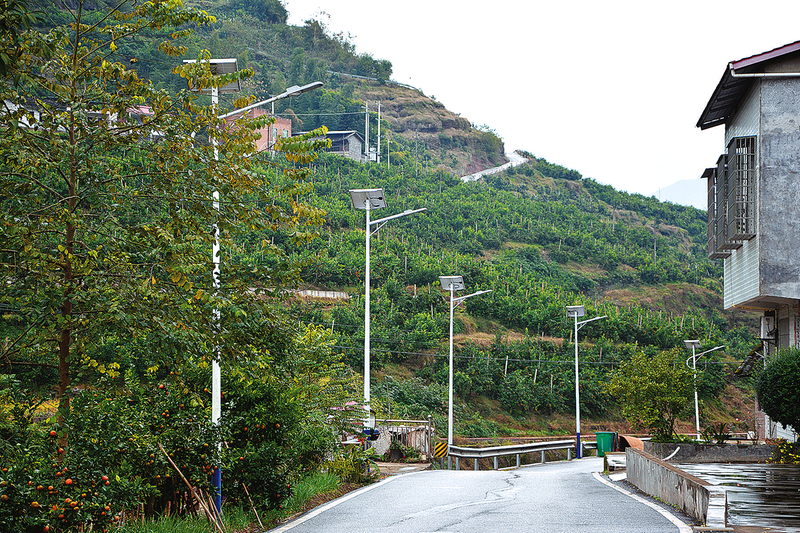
(453, 284)
(367, 200)
(219, 67)
(575, 311)
(694, 345)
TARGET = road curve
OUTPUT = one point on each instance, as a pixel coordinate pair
(555, 497)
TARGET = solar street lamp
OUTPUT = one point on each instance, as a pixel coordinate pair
(220, 67)
(577, 311)
(453, 284)
(367, 200)
(695, 345)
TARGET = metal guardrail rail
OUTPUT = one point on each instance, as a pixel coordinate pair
(515, 449)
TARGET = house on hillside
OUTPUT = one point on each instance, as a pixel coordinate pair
(281, 127)
(347, 143)
(754, 193)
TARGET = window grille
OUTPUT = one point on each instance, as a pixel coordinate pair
(741, 189)
(716, 211)
(731, 198)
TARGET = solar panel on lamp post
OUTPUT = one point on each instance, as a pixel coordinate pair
(367, 200)
(576, 311)
(453, 284)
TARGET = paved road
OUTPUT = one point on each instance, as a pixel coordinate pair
(553, 497)
(514, 160)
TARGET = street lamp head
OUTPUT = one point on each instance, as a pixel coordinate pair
(218, 67)
(455, 283)
(375, 197)
(296, 90)
(575, 311)
(692, 344)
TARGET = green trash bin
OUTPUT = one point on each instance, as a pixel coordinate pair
(605, 442)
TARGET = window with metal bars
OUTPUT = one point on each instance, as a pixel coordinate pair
(731, 198)
(740, 202)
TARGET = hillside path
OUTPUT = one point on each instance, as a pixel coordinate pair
(515, 160)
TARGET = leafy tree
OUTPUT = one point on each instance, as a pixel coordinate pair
(110, 194)
(776, 387)
(269, 11)
(15, 18)
(653, 391)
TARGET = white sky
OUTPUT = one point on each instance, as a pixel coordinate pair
(612, 89)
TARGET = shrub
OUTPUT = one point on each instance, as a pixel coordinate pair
(776, 387)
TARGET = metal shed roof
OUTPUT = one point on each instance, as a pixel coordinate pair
(730, 90)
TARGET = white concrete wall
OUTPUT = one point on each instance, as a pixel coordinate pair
(741, 281)
(692, 495)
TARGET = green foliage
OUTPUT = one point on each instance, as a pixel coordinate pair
(354, 464)
(717, 434)
(776, 387)
(15, 19)
(785, 453)
(310, 486)
(110, 187)
(653, 391)
(411, 398)
(269, 11)
(112, 461)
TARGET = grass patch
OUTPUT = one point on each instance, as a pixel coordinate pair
(309, 489)
(234, 519)
(308, 493)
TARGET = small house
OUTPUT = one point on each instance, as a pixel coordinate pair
(754, 190)
(281, 127)
(347, 143)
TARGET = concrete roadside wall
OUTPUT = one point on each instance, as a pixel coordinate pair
(692, 495)
(711, 453)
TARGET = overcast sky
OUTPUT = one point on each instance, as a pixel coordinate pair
(612, 89)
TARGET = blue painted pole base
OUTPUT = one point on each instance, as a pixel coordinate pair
(216, 482)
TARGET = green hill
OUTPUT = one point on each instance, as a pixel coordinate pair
(539, 235)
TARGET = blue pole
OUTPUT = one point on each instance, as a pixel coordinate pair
(216, 482)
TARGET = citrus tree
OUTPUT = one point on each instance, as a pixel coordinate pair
(652, 390)
(113, 190)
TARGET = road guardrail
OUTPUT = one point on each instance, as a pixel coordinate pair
(515, 449)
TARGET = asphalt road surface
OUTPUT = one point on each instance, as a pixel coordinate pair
(555, 497)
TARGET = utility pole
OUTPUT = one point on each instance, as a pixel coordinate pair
(366, 130)
(378, 153)
(416, 152)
